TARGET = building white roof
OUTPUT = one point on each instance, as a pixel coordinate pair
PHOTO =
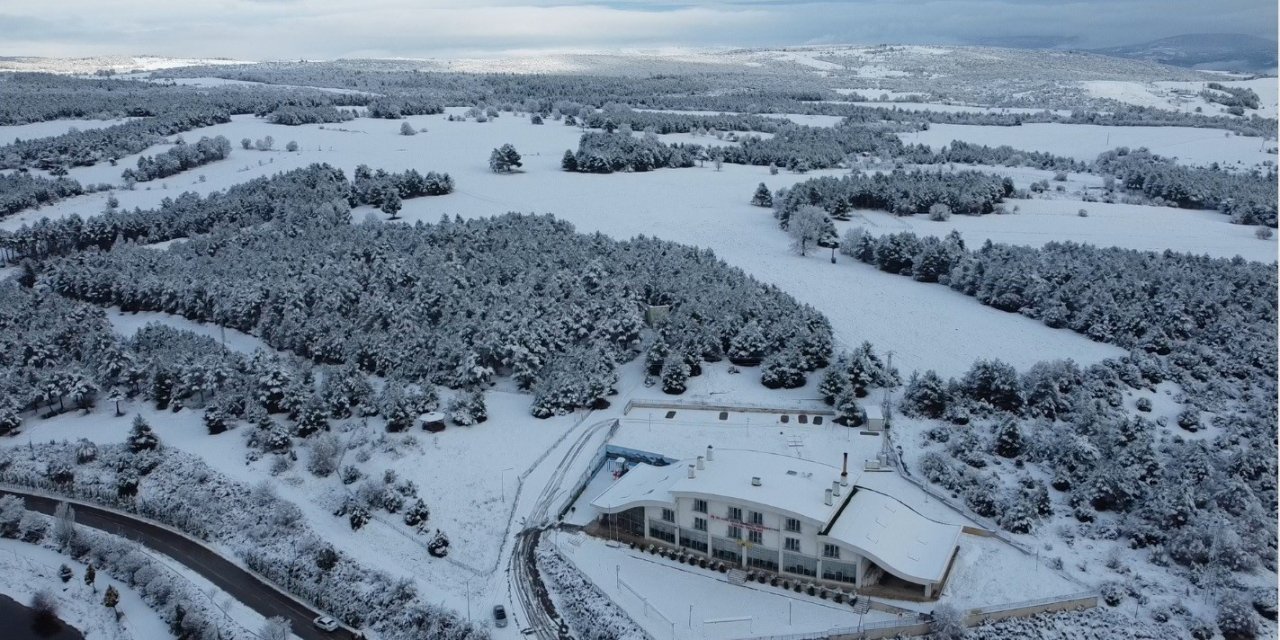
(787, 484)
(643, 486)
(895, 537)
(873, 411)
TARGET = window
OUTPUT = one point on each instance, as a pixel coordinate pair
(735, 514)
(669, 515)
(755, 537)
(756, 517)
(735, 532)
(793, 544)
(699, 524)
(830, 551)
(700, 506)
(793, 525)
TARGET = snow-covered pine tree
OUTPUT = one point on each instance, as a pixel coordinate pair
(925, 395)
(675, 375)
(763, 197)
(848, 412)
(141, 438)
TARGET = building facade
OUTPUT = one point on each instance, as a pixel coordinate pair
(775, 513)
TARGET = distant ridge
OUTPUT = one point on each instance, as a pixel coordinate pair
(1217, 51)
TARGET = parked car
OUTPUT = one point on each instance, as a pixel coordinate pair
(325, 623)
(499, 616)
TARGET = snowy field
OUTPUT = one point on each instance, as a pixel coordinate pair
(1182, 96)
(1085, 141)
(1122, 225)
(9, 133)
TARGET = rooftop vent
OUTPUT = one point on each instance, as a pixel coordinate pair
(827, 500)
(691, 473)
(835, 487)
(710, 453)
(755, 481)
(700, 464)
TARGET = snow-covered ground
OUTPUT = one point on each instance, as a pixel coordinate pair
(28, 568)
(719, 610)
(1085, 141)
(1180, 95)
(9, 133)
(1120, 225)
(128, 324)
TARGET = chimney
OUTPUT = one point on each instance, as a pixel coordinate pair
(709, 453)
(835, 488)
(755, 481)
(828, 498)
(691, 474)
(844, 471)
(701, 466)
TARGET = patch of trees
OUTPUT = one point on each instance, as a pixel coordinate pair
(961, 152)
(1216, 317)
(1249, 198)
(293, 115)
(799, 148)
(899, 192)
(39, 97)
(398, 107)
(1242, 97)
(179, 158)
(456, 303)
(313, 195)
(21, 190)
(379, 187)
(662, 122)
(91, 146)
(603, 152)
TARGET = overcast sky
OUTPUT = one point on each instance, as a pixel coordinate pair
(314, 29)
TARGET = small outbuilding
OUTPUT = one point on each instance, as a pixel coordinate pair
(875, 417)
(433, 422)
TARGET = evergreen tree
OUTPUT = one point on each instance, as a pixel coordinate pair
(407, 129)
(675, 375)
(924, 396)
(748, 345)
(569, 162)
(90, 574)
(848, 411)
(65, 573)
(391, 203)
(782, 371)
(504, 159)
(835, 381)
(1008, 443)
(111, 598)
(762, 197)
(141, 437)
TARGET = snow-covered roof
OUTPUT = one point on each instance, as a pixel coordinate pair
(787, 483)
(895, 537)
(873, 411)
(434, 416)
(643, 486)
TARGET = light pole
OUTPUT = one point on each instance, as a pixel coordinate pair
(468, 599)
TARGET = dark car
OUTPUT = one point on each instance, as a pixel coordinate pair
(499, 616)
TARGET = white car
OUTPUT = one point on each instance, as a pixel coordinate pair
(325, 623)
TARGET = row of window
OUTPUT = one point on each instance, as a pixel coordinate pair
(734, 514)
(757, 537)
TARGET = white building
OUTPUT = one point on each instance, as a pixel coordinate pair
(783, 514)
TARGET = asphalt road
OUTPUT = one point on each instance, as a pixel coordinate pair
(241, 584)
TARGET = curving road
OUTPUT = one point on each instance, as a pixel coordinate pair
(243, 585)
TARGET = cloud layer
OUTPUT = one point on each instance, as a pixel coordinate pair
(270, 29)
